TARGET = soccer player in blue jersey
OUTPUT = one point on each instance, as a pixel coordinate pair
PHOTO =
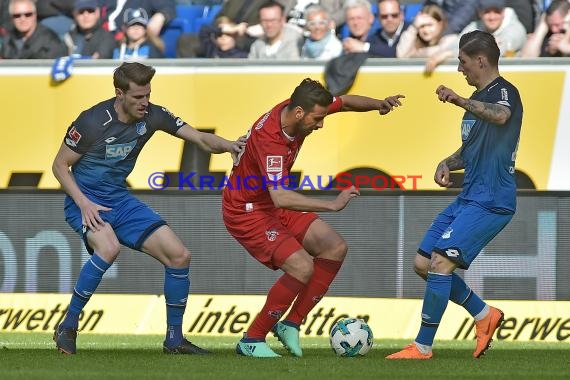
(101, 146)
(490, 132)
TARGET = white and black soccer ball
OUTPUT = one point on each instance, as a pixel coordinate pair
(351, 337)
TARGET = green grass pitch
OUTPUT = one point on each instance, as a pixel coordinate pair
(106, 357)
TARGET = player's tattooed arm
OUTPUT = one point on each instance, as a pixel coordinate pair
(493, 113)
(454, 162)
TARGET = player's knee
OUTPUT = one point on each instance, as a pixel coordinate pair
(109, 251)
(337, 250)
(421, 270)
(342, 250)
(181, 259)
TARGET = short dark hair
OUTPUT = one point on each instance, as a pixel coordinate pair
(309, 93)
(132, 72)
(561, 6)
(271, 4)
(479, 42)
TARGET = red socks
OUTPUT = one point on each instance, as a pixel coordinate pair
(280, 297)
(324, 273)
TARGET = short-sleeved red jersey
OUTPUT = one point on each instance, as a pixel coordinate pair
(266, 162)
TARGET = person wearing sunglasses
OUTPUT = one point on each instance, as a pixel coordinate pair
(87, 38)
(384, 41)
(26, 39)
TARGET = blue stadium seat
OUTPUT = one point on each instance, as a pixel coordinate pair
(191, 13)
(411, 10)
(171, 33)
(208, 18)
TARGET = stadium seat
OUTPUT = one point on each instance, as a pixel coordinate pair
(208, 18)
(171, 33)
(411, 10)
(191, 13)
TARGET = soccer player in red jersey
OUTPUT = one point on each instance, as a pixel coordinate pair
(278, 227)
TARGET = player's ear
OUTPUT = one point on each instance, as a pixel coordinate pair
(299, 112)
(118, 92)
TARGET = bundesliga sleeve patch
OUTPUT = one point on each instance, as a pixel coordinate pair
(274, 167)
(73, 137)
(504, 98)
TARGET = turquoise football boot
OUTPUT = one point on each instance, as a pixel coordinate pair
(288, 335)
(256, 348)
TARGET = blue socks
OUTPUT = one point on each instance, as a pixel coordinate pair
(176, 289)
(89, 278)
(436, 297)
(462, 295)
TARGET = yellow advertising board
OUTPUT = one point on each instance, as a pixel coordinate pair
(230, 315)
(229, 98)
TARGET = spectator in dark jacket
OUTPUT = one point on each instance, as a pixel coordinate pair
(384, 41)
(27, 39)
(87, 37)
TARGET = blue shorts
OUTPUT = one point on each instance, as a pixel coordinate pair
(132, 220)
(461, 231)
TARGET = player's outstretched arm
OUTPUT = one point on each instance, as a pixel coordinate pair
(89, 211)
(493, 113)
(359, 103)
(289, 199)
(210, 142)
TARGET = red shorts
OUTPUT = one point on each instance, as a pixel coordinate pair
(270, 236)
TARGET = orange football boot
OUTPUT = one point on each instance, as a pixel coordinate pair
(485, 329)
(411, 351)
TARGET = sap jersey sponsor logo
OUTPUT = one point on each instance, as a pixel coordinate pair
(119, 151)
(466, 126)
(72, 137)
(141, 127)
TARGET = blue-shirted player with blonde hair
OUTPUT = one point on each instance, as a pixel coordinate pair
(101, 146)
(490, 132)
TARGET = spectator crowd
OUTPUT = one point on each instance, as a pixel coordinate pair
(130, 30)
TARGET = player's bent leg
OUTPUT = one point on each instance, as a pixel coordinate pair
(321, 240)
(256, 348)
(288, 334)
(165, 246)
(485, 329)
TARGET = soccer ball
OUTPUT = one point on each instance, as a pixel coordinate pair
(351, 337)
